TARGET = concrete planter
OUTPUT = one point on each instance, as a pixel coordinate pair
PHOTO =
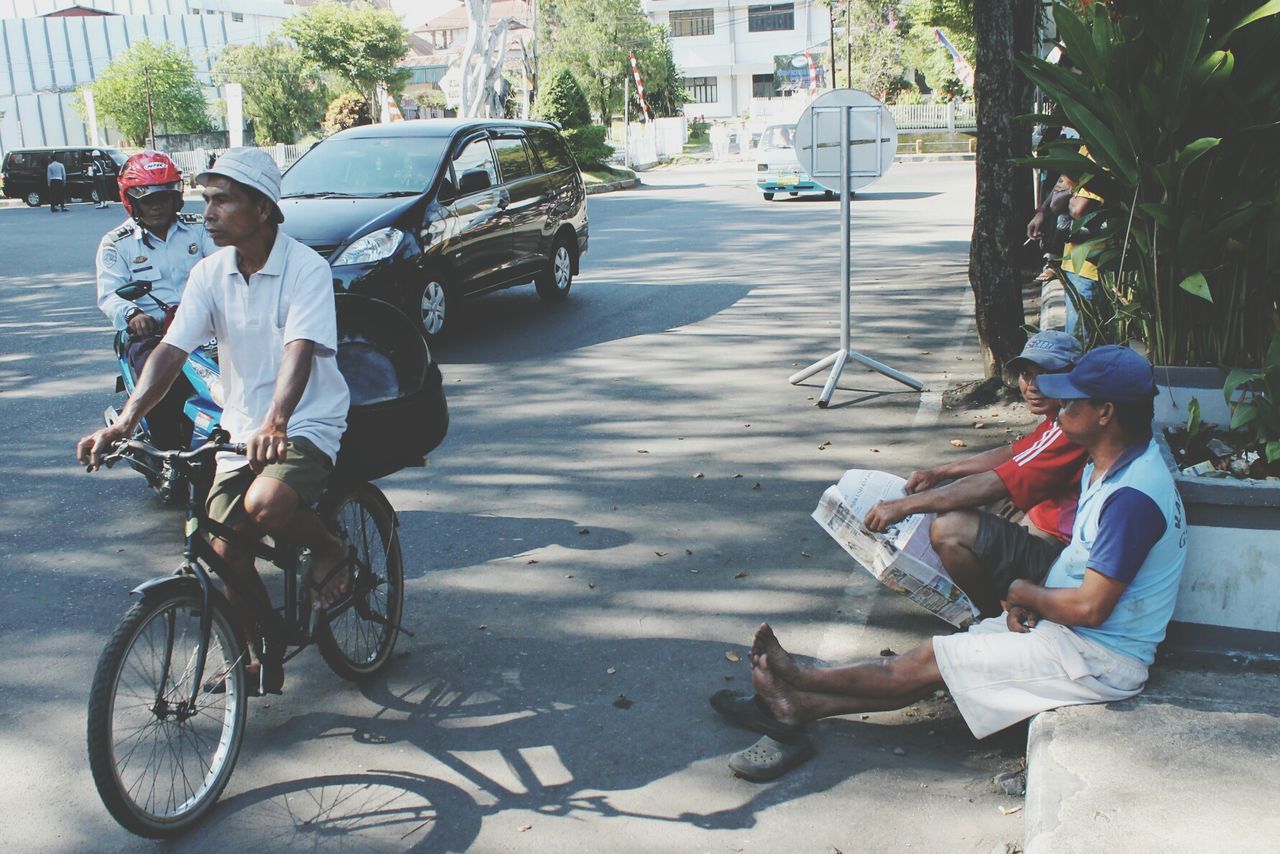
(1229, 599)
(1177, 386)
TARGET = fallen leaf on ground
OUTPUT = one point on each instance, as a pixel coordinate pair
(757, 485)
(805, 554)
(532, 561)
(688, 551)
(622, 702)
(591, 584)
(612, 670)
(698, 474)
(733, 656)
(641, 451)
(482, 627)
(661, 554)
(728, 678)
(694, 571)
(959, 443)
(875, 450)
(980, 426)
(1010, 810)
(926, 352)
(568, 576)
(584, 530)
(824, 446)
(741, 574)
(525, 827)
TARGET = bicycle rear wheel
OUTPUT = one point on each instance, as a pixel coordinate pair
(358, 642)
(160, 763)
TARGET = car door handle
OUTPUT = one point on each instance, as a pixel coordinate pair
(503, 201)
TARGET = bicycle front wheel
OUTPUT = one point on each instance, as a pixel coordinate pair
(159, 761)
(358, 642)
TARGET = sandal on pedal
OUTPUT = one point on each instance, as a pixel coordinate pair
(315, 589)
(769, 759)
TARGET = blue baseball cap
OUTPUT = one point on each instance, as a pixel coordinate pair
(1050, 350)
(1110, 373)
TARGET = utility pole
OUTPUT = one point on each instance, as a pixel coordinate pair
(626, 120)
(151, 122)
(831, 42)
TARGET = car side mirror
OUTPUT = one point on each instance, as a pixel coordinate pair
(473, 181)
(133, 291)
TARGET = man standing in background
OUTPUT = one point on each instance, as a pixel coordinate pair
(56, 176)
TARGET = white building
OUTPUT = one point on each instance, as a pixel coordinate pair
(52, 47)
(728, 50)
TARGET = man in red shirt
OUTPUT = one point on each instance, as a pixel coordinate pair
(1039, 474)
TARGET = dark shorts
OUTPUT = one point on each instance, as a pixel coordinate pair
(305, 470)
(1009, 551)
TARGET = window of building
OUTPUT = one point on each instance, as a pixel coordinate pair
(776, 16)
(763, 86)
(702, 90)
(238, 17)
(693, 22)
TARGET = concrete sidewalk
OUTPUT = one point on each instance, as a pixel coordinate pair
(1190, 765)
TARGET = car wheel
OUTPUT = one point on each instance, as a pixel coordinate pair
(768, 197)
(433, 307)
(33, 199)
(554, 282)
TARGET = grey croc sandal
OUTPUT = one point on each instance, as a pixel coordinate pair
(769, 759)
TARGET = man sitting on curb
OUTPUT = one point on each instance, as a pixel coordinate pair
(1087, 635)
(1039, 474)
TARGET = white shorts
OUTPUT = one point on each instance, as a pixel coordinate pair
(999, 677)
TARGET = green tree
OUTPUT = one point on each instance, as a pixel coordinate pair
(663, 83)
(347, 111)
(872, 44)
(593, 38)
(563, 102)
(284, 94)
(359, 43)
(164, 73)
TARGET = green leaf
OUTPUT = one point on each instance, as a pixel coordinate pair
(1273, 451)
(1229, 223)
(1078, 43)
(1194, 151)
(1157, 212)
(1235, 379)
(1268, 415)
(1243, 414)
(1193, 417)
(1213, 69)
(1190, 22)
(1197, 284)
(1263, 11)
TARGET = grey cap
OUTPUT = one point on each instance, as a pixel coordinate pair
(252, 167)
(1050, 350)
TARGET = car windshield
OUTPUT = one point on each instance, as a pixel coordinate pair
(779, 136)
(366, 167)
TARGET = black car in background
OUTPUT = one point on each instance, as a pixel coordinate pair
(24, 171)
(423, 213)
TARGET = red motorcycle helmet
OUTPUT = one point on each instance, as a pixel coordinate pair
(145, 173)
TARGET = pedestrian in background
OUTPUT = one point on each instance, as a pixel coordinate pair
(56, 176)
(101, 174)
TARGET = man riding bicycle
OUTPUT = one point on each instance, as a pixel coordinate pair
(160, 245)
(269, 301)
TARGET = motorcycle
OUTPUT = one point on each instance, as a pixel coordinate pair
(201, 412)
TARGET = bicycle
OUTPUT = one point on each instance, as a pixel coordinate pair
(167, 707)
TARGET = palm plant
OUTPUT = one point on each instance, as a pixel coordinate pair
(1178, 102)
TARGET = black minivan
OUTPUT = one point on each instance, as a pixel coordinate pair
(422, 213)
(24, 171)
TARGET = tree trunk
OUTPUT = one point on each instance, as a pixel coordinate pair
(999, 219)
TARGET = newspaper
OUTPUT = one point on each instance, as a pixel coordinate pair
(901, 558)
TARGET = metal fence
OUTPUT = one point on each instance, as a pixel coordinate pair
(192, 163)
(950, 116)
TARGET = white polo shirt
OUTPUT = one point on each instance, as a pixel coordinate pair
(289, 299)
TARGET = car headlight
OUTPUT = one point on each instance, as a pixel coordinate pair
(374, 246)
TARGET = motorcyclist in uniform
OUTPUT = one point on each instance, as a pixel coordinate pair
(160, 245)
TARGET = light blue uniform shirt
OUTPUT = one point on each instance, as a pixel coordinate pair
(128, 253)
(1130, 525)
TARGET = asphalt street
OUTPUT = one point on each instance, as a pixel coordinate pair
(623, 496)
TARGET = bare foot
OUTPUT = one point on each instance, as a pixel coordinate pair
(329, 579)
(781, 698)
(781, 664)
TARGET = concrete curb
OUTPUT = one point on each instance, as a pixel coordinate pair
(611, 186)
(935, 158)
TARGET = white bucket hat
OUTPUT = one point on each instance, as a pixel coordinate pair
(252, 167)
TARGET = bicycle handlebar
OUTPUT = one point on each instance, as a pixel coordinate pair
(208, 448)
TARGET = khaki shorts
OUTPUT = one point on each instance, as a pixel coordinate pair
(998, 677)
(305, 470)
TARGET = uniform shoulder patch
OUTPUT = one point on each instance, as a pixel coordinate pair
(122, 232)
(191, 219)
